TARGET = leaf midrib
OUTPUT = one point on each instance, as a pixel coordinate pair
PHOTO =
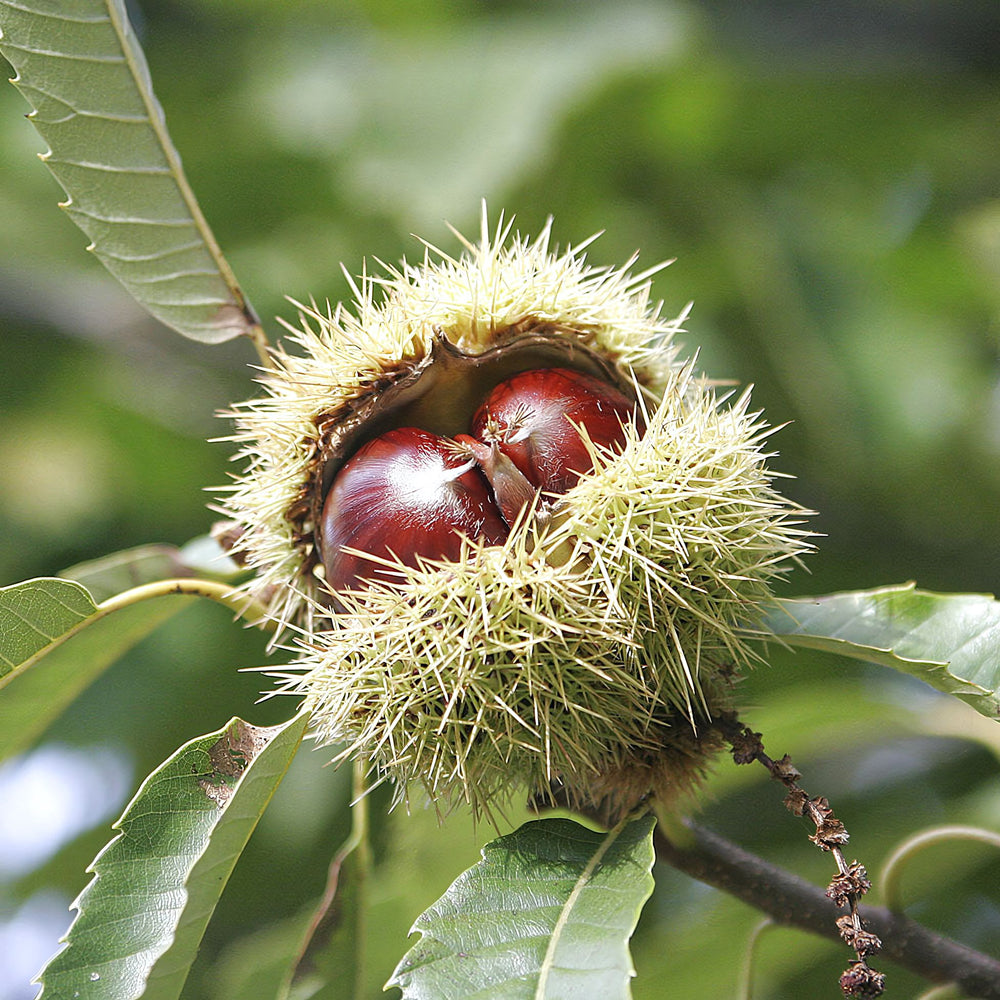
(548, 962)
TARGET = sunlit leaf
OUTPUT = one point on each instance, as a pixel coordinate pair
(81, 68)
(140, 920)
(58, 620)
(121, 571)
(951, 641)
(36, 615)
(547, 913)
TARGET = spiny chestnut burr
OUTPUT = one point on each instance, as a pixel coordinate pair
(409, 493)
(534, 419)
(587, 651)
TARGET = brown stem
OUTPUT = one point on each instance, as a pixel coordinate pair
(851, 881)
(794, 902)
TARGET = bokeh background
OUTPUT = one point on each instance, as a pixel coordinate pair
(828, 178)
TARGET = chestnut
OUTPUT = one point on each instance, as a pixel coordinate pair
(409, 494)
(412, 494)
(533, 418)
(585, 655)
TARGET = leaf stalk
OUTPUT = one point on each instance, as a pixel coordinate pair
(222, 593)
(890, 882)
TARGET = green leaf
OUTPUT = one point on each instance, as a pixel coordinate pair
(330, 960)
(121, 571)
(36, 615)
(58, 620)
(951, 641)
(155, 886)
(82, 70)
(547, 913)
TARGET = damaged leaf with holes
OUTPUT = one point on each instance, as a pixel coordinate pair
(139, 922)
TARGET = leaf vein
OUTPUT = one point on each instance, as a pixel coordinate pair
(139, 258)
(109, 167)
(34, 89)
(210, 272)
(134, 220)
(69, 56)
(97, 19)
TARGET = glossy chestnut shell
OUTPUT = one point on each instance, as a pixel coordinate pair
(407, 493)
(534, 419)
(410, 494)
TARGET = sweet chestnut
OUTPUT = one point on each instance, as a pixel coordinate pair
(407, 493)
(410, 494)
(534, 417)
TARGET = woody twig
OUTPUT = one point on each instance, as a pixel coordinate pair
(851, 881)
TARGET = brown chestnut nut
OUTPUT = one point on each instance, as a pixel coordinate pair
(408, 494)
(534, 417)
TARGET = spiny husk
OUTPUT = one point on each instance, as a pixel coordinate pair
(572, 653)
(497, 287)
(584, 659)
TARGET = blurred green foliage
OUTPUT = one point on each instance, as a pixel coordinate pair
(826, 176)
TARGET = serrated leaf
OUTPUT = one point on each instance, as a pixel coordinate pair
(58, 620)
(547, 913)
(951, 641)
(36, 615)
(155, 886)
(80, 67)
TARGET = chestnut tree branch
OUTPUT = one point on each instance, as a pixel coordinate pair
(793, 902)
(851, 882)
